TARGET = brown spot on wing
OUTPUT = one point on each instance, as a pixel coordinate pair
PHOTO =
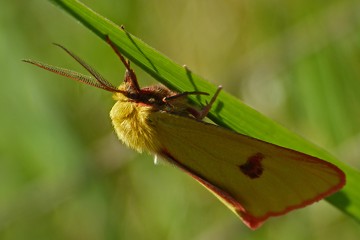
(253, 168)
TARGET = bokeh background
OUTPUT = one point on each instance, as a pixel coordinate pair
(63, 173)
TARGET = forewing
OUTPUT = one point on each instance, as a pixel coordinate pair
(253, 178)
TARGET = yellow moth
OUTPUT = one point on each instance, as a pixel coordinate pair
(253, 178)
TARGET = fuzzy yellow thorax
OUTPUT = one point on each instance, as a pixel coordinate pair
(132, 124)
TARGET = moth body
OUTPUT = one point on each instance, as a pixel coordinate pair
(253, 178)
(132, 122)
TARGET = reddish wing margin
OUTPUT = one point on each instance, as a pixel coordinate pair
(251, 221)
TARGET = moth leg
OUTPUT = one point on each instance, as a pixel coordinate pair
(156, 160)
(181, 96)
(130, 76)
(204, 112)
(198, 114)
(180, 100)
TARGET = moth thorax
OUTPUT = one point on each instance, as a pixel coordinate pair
(133, 127)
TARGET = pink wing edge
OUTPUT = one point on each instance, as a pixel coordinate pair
(249, 220)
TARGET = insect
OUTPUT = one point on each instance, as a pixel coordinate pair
(253, 178)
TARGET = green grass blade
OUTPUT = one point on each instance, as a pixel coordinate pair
(228, 111)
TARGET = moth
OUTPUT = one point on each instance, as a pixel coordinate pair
(253, 178)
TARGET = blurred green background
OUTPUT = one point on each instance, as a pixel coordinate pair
(63, 173)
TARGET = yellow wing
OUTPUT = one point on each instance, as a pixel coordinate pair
(253, 178)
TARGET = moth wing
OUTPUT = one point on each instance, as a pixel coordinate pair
(255, 179)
